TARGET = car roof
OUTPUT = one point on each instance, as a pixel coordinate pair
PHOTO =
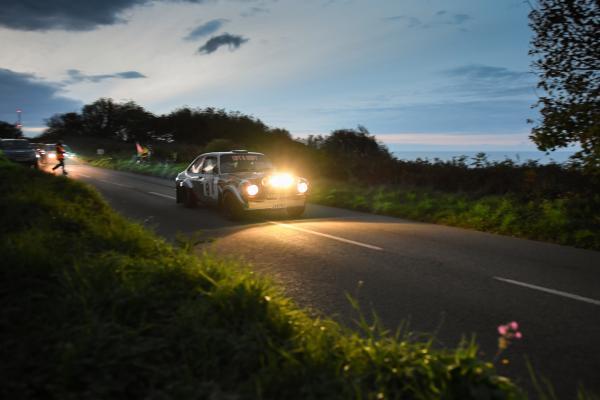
(220, 153)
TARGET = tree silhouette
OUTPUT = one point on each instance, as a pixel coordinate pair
(356, 154)
(567, 59)
(59, 125)
(9, 131)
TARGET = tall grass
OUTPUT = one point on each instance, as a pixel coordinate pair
(94, 306)
(161, 169)
(570, 219)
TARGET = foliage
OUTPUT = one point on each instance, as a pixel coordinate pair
(571, 219)
(103, 118)
(567, 59)
(60, 125)
(163, 170)
(97, 307)
(354, 154)
(9, 131)
(479, 176)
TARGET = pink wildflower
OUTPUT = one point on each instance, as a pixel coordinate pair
(518, 335)
(502, 329)
(513, 325)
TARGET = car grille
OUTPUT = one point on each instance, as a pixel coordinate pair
(275, 194)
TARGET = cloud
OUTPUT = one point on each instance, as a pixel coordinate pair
(75, 15)
(411, 22)
(76, 76)
(461, 140)
(226, 39)
(478, 71)
(38, 99)
(253, 11)
(459, 19)
(489, 82)
(441, 17)
(206, 29)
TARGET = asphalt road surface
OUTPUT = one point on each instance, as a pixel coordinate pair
(446, 280)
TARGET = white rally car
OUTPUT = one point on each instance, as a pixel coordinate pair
(239, 181)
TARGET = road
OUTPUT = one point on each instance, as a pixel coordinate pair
(448, 280)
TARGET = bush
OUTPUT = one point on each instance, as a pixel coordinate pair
(570, 220)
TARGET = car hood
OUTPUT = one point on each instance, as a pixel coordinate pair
(247, 175)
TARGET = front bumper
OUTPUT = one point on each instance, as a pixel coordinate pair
(275, 204)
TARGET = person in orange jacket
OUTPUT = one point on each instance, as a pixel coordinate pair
(60, 156)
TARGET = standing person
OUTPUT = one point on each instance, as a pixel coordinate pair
(60, 156)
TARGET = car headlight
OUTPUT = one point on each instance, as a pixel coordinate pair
(302, 187)
(252, 190)
(281, 180)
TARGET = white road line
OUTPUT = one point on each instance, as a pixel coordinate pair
(551, 291)
(289, 226)
(116, 184)
(162, 195)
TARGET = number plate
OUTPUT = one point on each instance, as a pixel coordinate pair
(279, 205)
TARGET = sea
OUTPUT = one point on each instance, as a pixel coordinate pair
(516, 156)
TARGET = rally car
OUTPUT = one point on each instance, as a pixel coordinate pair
(239, 181)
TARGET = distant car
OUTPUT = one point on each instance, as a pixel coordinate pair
(239, 181)
(19, 151)
(39, 149)
(48, 153)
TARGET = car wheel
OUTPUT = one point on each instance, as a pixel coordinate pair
(232, 207)
(295, 212)
(189, 198)
(178, 194)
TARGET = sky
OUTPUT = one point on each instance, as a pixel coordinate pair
(419, 74)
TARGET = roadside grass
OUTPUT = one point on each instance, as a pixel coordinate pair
(162, 169)
(570, 220)
(94, 306)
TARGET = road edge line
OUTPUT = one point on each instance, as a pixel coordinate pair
(551, 291)
(340, 239)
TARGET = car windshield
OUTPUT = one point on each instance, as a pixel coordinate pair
(15, 144)
(244, 163)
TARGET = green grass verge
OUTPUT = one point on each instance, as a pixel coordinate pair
(94, 306)
(570, 220)
(164, 170)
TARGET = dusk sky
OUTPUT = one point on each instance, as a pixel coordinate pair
(419, 74)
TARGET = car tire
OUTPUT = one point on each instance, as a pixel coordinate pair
(189, 198)
(178, 194)
(232, 208)
(295, 212)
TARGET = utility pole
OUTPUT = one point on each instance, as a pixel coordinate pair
(19, 125)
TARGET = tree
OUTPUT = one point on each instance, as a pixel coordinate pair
(356, 154)
(9, 131)
(124, 121)
(567, 59)
(61, 125)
